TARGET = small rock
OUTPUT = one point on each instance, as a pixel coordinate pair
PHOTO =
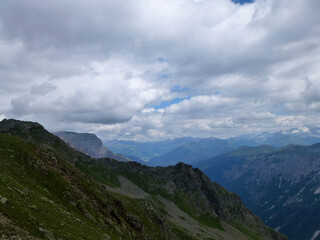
(3, 200)
(135, 223)
(106, 237)
(34, 207)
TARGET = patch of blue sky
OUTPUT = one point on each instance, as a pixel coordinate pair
(178, 88)
(165, 76)
(166, 104)
(243, 1)
(161, 60)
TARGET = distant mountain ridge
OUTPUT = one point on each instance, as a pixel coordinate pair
(281, 185)
(89, 144)
(192, 150)
(303, 135)
(145, 150)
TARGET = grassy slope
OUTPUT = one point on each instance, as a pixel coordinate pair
(47, 197)
(36, 187)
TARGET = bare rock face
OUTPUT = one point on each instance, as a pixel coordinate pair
(90, 144)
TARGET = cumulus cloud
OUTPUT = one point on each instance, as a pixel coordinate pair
(103, 66)
(110, 92)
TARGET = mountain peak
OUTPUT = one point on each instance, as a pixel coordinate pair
(90, 144)
(298, 130)
(13, 124)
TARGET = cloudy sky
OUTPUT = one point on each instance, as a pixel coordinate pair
(157, 69)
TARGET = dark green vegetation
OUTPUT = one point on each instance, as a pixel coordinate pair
(47, 197)
(50, 191)
(204, 201)
(281, 185)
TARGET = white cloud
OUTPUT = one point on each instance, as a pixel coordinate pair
(103, 65)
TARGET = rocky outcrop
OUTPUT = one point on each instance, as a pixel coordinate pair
(90, 144)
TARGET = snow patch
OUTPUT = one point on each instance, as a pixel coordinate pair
(292, 200)
(279, 186)
(301, 190)
(271, 207)
(315, 235)
(271, 217)
(277, 228)
(317, 191)
(301, 130)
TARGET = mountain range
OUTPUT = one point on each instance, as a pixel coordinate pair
(304, 135)
(276, 174)
(192, 150)
(281, 185)
(144, 151)
(48, 190)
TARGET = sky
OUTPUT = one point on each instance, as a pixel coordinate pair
(148, 70)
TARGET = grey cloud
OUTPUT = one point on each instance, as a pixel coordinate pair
(311, 93)
(43, 88)
(107, 96)
(20, 106)
(108, 117)
(88, 63)
(68, 112)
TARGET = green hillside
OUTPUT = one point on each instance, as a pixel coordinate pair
(50, 191)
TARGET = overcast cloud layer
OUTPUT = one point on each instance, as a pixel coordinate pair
(156, 69)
